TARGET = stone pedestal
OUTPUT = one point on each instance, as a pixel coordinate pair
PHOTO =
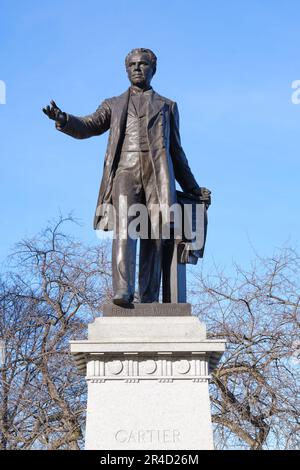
(148, 379)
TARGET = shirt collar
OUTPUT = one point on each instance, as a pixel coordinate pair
(134, 90)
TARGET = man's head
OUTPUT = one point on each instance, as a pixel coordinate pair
(140, 66)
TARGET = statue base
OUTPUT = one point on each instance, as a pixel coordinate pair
(148, 379)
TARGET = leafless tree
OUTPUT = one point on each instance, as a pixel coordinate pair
(56, 288)
(255, 390)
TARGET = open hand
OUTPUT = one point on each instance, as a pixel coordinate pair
(55, 113)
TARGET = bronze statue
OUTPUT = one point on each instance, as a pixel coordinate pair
(144, 157)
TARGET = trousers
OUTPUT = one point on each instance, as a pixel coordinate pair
(133, 180)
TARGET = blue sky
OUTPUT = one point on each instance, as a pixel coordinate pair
(229, 65)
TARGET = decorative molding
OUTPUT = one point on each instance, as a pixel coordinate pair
(147, 367)
(161, 368)
(113, 367)
(182, 367)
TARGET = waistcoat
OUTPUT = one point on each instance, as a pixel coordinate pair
(136, 139)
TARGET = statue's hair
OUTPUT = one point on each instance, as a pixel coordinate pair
(152, 56)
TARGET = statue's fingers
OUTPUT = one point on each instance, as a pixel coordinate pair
(53, 104)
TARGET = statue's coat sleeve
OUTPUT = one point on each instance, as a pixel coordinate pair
(88, 126)
(182, 171)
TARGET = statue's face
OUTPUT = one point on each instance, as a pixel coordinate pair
(139, 69)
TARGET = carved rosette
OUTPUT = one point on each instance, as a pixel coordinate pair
(134, 368)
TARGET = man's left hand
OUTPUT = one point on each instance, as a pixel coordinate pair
(203, 194)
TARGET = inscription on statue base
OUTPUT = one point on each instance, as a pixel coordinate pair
(148, 436)
(148, 310)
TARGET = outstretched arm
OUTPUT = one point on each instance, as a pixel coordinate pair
(183, 173)
(80, 127)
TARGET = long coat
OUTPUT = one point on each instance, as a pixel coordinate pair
(168, 158)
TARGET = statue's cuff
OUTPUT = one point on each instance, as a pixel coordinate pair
(61, 127)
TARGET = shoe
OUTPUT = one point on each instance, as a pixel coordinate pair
(123, 300)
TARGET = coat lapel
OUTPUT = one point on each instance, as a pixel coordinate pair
(118, 129)
(120, 114)
(122, 107)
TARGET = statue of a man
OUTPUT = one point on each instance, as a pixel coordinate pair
(144, 157)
